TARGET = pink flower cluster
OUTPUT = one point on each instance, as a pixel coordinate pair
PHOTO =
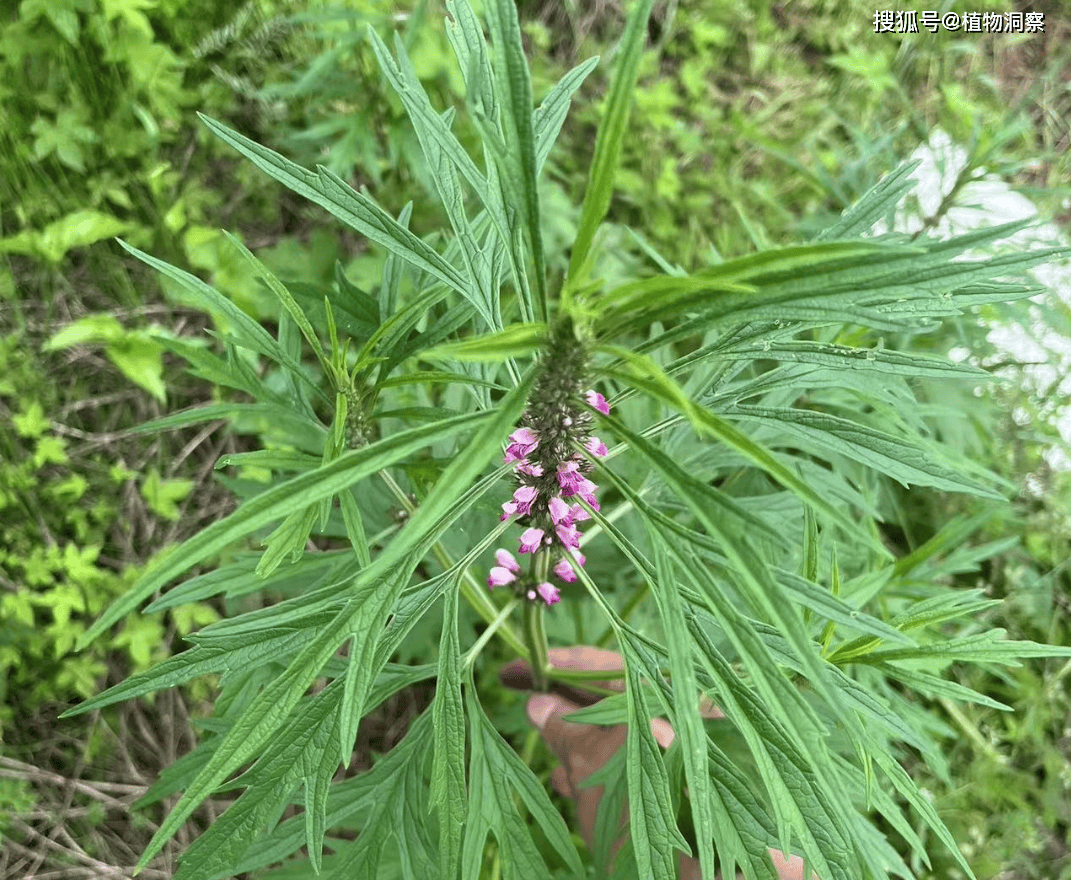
(550, 476)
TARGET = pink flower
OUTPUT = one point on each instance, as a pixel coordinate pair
(500, 576)
(522, 441)
(548, 593)
(565, 571)
(524, 497)
(578, 514)
(596, 447)
(568, 535)
(531, 540)
(597, 401)
(569, 477)
(559, 510)
(505, 559)
(586, 490)
(533, 470)
(508, 509)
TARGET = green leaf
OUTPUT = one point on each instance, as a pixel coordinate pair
(876, 203)
(651, 820)
(230, 656)
(429, 125)
(466, 37)
(354, 209)
(981, 648)
(437, 377)
(940, 608)
(550, 115)
(31, 422)
(608, 818)
(440, 508)
(353, 310)
(605, 713)
(288, 539)
(291, 756)
(364, 660)
(78, 229)
(442, 328)
(247, 333)
(665, 295)
(134, 352)
(285, 299)
(362, 618)
(354, 522)
(906, 786)
(449, 796)
(446, 157)
(162, 495)
(240, 578)
(230, 373)
(513, 341)
(308, 488)
(952, 534)
(905, 459)
(176, 777)
(880, 285)
(517, 165)
(841, 357)
(854, 780)
(820, 807)
(610, 137)
(799, 794)
(802, 723)
(687, 722)
(359, 796)
(240, 414)
(495, 773)
(272, 459)
(647, 376)
(820, 600)
(388, 788)
(318, 765)
(256, 723)
(139, 358)
(935, 686)
(90, 329)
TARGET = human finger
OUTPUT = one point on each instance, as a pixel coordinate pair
(788, 867)
(581, 749)
(517, 674)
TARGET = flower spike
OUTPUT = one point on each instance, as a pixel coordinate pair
(552, 453)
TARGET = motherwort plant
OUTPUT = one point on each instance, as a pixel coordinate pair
(736, 554)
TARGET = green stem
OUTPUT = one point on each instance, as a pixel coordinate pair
(486, 635)
(535, 637)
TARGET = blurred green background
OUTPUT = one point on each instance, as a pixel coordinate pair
(754, 124)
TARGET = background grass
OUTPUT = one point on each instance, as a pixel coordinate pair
(754, 125)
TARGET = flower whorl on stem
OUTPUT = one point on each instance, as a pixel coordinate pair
(550, 473)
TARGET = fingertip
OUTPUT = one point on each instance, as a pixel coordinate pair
(516, 674)
(788, 867)
(663, 732)
(585, 657)
(540, 708)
